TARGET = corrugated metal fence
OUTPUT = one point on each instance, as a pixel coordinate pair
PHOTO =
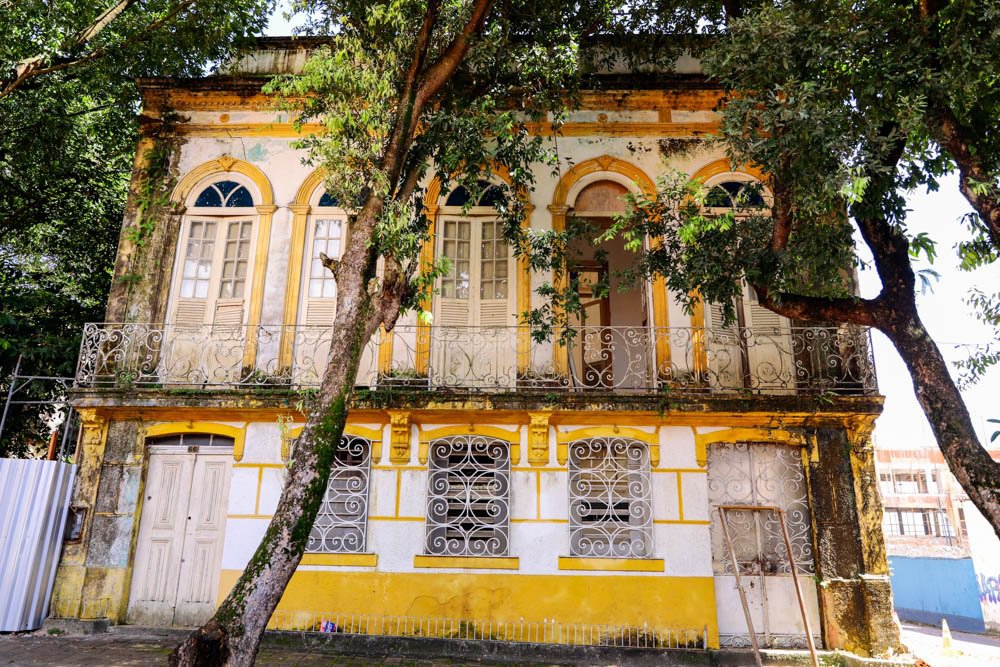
(34, 499)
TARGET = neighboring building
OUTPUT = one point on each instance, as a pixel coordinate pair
(485, 478)
(940, 569)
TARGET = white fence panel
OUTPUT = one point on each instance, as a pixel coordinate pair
(34, 500)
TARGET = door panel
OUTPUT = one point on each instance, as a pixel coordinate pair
(203, 541)
(769, 475)
(181, 535)
(161, 539)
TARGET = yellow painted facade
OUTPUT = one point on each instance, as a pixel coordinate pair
(669, 602)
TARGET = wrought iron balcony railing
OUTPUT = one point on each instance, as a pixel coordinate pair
(810, 360)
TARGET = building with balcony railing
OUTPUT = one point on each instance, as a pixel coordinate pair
(488, 473)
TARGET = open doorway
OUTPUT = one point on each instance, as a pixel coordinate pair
(611, 348)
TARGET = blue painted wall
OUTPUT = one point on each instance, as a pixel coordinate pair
(925, 590)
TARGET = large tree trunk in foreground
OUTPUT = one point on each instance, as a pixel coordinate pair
(233, 635)
(949, 418)
(894, 313)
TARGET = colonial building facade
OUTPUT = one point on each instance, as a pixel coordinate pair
(485, 478)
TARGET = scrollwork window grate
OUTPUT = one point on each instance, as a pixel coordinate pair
(341, 523)
(468, 497)
(762, 474)
(610, 499)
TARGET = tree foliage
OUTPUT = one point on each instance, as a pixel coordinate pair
(68, 130)
(859, 103)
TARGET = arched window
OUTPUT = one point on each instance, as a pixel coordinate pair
(735, 194)
(477, 292)
(215, 254)
(611, 504)
(468, 496)
(754, 351)
(224, 194)
(326, 233)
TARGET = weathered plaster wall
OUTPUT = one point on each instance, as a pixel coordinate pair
(851, 564)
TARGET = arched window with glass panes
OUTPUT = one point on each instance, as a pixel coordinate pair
(211, 283)
(479, 289)
(754, 351)
(326, 233)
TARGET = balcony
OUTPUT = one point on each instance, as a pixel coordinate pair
(796, 360)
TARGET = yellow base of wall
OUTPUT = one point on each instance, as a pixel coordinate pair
(659, 602)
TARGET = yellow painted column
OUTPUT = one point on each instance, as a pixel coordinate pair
(524, 301)
(560, 360)
(423, 342)
(71, 574)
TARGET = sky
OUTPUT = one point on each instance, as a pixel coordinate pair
(948, 319)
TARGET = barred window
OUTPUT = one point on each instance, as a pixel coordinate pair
(341, 523)
(468, 497)
(610, 512)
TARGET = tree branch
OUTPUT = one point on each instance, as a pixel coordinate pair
(442, 69)
(33, 67)
(863, 312)
(957, 140)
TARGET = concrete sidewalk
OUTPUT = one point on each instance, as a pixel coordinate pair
(967, 649)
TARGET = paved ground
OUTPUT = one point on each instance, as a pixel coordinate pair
(126, 650)
(107, 650)
(967, 650)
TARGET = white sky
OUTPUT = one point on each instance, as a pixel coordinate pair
(943, 311)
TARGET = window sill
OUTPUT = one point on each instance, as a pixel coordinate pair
(356, 560)
(611, 564)
(468, 562)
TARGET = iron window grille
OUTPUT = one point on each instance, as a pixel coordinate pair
(341, 524)
(468, 497)
(755, 474)
(610, 498)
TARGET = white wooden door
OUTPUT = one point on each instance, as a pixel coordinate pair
(181, 535)
(474, 336)
(161, 539)
(204, 537)
(205, 343)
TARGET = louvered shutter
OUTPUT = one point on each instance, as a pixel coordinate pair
(320, 290)
(453, 302)
(233, 275)
(194, 293)
(769, 346)
(495, 290)
(723, 346)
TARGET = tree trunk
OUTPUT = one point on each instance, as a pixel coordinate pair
(947, 414)
(232, 637)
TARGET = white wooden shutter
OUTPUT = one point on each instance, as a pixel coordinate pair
(453, 302)
(233, 258)
(769, 346)
(198, 254)
(495, 277)
(319, 300)
(724, 348)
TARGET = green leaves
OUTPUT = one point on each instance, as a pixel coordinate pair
(67, 143)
